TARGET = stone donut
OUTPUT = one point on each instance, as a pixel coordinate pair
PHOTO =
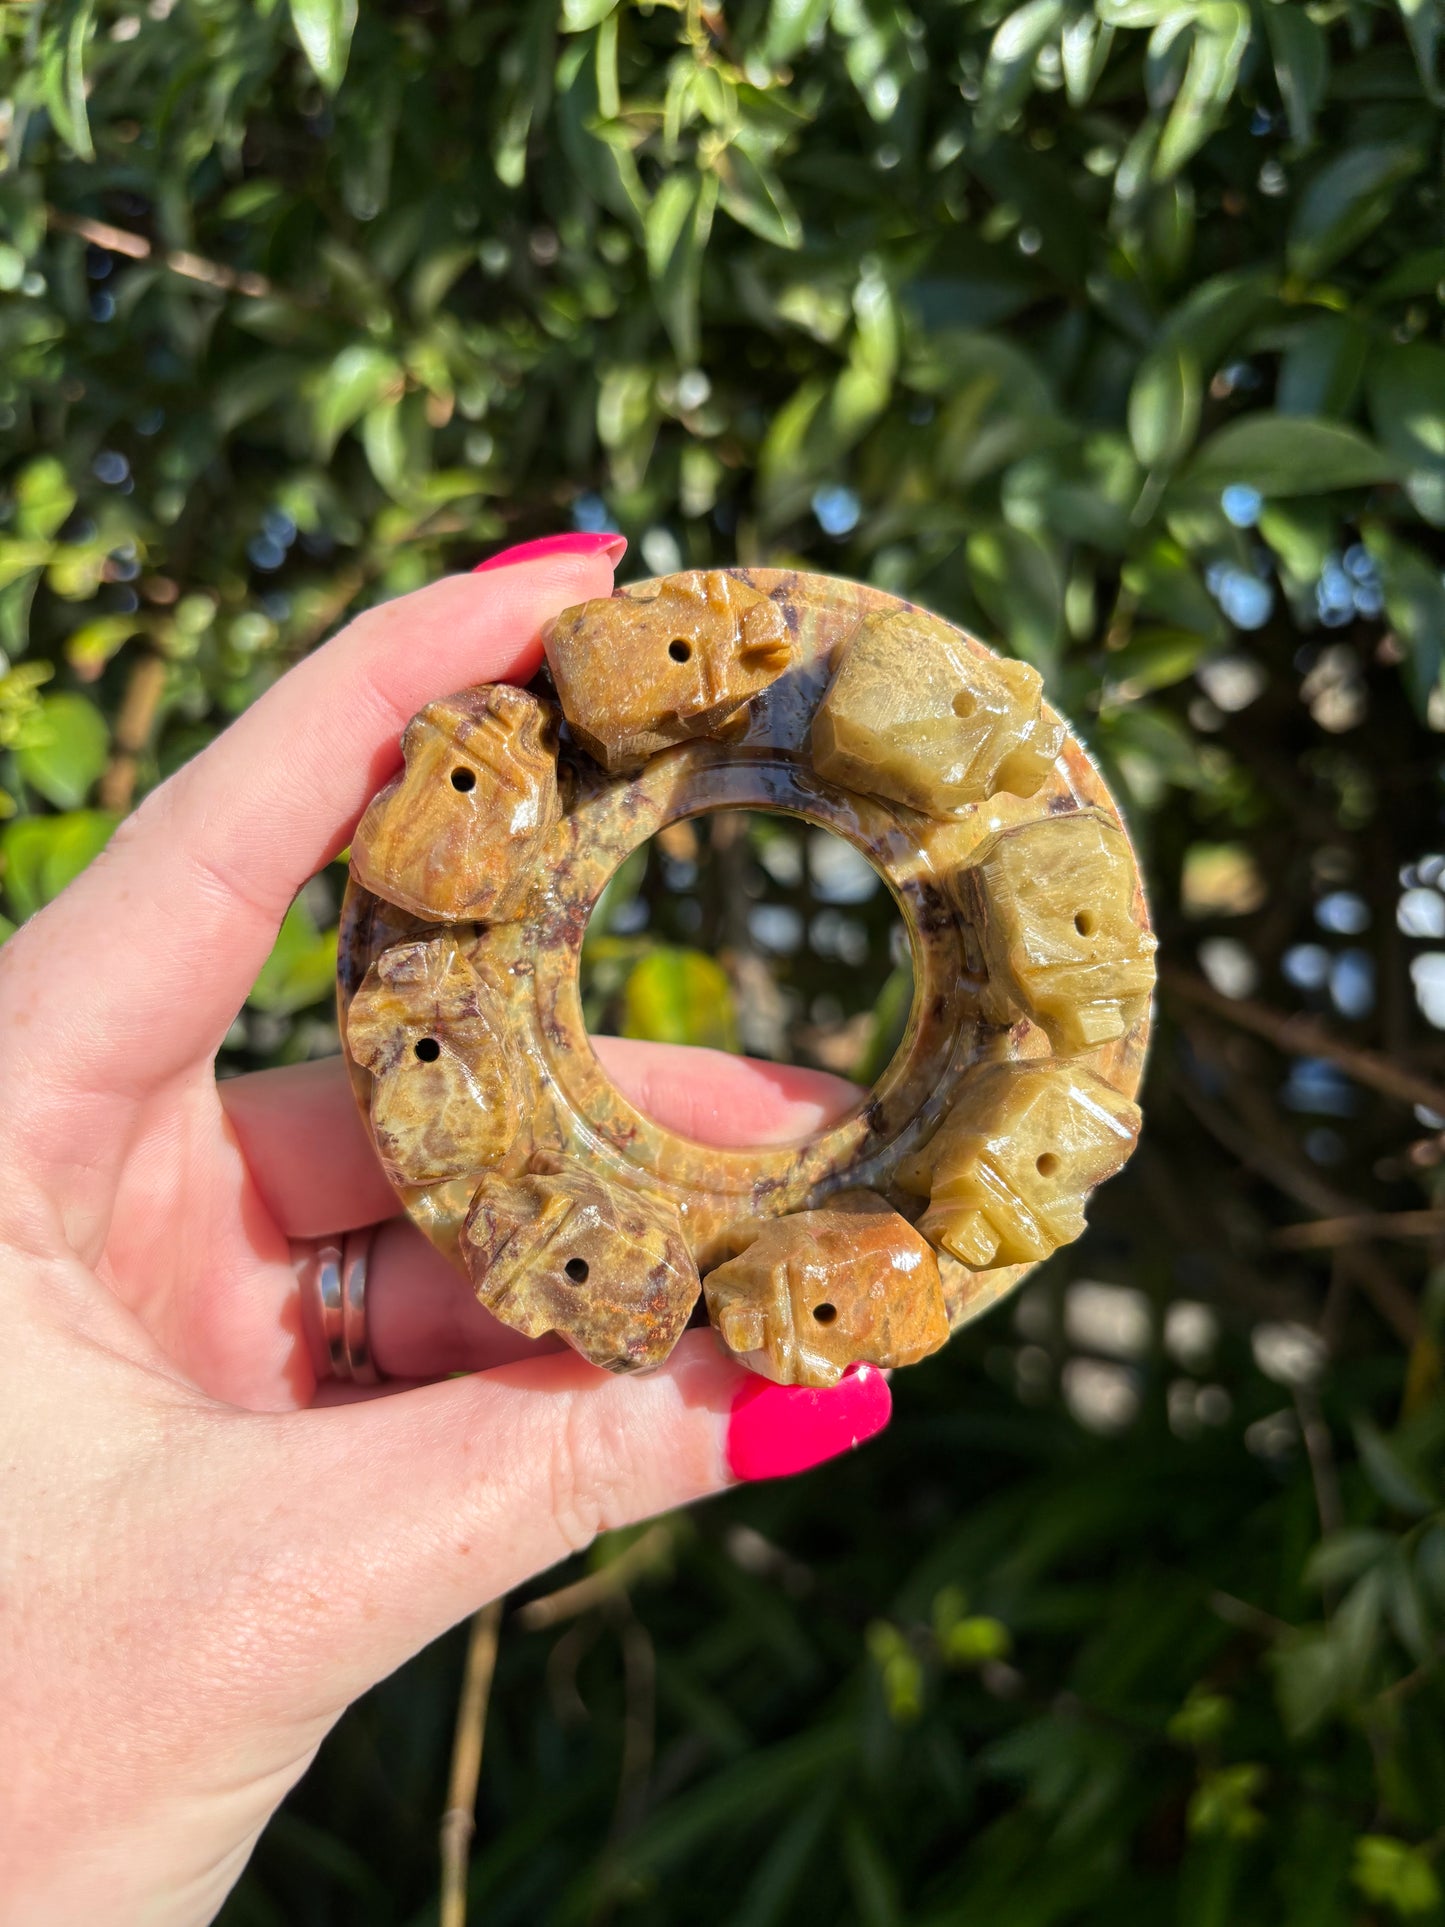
(1010, 1097)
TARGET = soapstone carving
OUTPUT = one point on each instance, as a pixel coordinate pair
(913, 713)
(810, 1294)
(1010, 1170)
(1011, 1093)
(636, 673)
(443, 1098)
(1054, 903)
(607, 1269)
(457, 835)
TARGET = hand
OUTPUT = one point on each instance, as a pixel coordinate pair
(198, 1573)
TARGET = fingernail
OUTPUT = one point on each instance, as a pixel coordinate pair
(581, 542)
(775, 1430)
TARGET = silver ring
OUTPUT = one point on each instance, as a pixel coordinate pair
(332, 1280)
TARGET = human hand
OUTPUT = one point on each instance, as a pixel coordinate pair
(198, 1569)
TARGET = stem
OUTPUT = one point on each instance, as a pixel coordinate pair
(460, 1819)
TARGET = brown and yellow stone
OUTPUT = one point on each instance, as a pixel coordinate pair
(1056, 907)
(813, 1293)
(606, 1269)
(457, 835)
(1008, 1175)
(914, 714)
(980, 1089)
(444, 1101)
(638, 672)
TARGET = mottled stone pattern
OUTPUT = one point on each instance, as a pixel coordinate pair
(1062, 935)
(639, 672)
(434, 1038)
(810, 1294)
(1009, 1174)
(913, 714)
(608, 1270)
(1010, 1095)
(458, 834)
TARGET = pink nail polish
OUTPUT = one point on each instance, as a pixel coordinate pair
(775, 1430)
(581, 542)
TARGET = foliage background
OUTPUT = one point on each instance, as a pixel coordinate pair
(1110, 329)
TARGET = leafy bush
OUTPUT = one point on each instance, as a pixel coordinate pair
(1112, 330)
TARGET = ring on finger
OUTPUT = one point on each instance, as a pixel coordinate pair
(331, 1274)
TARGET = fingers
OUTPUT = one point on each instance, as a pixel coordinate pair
(140, 967)
(716, 1098)
(413, 1510)
(309, 1156)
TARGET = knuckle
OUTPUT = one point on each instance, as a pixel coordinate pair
(593, 1472)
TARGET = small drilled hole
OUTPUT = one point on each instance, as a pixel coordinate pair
(576, 1270)
(1046, 1164)
(679, 650)
(1084, 923)
(428, 1049)
(825, 1314)
(463, 779)
(963, 704)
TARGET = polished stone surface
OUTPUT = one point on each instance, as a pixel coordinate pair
(1032, 966)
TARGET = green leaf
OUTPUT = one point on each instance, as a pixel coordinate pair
(1406, 388)
(359, 378)
(1164, 404)
(67, 751)
(1321, 369)
(579, 15)
(1425, 24)
(324, 28)
(1084, 47)
(44, 853)
(677, 228)
(1019, 579)
(1287, 455)
(62, 72)
(1008, 73)
(90, 647)
(1395, 1481)
(1346, 1554)
(1220, 36)
(1301, 65)
(43, 498)
(1395, 1875)
(1415, 603)
(1347, 200)
(677, 996)
(301, 969)
(754, 196)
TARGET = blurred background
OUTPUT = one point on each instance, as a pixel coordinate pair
(1109, 328)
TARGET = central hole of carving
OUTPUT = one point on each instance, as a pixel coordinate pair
(1047, 1163)
(825, 1314)
(463, 779)
(1084, 923)
(427, 1049)
(679, 650)
(756, 933)
(964, 704)
(576, 1270)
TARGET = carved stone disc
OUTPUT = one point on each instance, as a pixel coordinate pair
(473, 878)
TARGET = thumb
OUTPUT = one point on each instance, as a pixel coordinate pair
(417, 1508)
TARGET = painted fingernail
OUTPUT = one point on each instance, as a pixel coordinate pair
(775, 1430)
(581, 542)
